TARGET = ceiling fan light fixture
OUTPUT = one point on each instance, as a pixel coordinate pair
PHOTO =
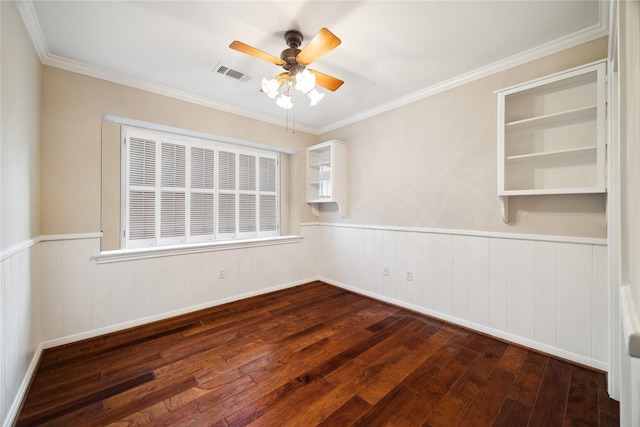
(295, 61)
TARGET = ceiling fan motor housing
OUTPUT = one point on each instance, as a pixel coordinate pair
(294, 40)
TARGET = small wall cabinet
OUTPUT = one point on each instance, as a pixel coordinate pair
(326, 175)
(552, 133)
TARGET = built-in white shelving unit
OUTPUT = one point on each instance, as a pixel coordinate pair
(326, 175)
(552, 135)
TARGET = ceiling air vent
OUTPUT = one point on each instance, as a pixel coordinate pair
(221, 69)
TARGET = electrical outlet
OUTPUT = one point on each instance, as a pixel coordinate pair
(409, 275)
(385, 271)
(221, 273)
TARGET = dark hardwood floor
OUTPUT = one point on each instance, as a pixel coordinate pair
(310, 355)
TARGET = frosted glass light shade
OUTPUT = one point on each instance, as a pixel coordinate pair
(305, 81)
(315, 97)
(270, 87)
(284, 101)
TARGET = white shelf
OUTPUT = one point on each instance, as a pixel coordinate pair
(551, 135)
(554, 119)
(555, 153)
(326, 176)
(321, 164)
(551, 191)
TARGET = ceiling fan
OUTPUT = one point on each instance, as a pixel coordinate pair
(295, 61)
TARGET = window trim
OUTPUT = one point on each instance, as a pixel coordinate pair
(162, 136)
(133, 254)
(180, 132)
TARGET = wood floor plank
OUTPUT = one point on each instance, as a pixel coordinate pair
(489, 399)
(289, 406)
(608, 409)
(386, 411)
(345, 381)
(526, 386)
(582, 402)
(551, 404)
(513, 413)
(513, 359)
(346, 415)
(66, 401)
(448, 411)
(257, 408)
(480, 369)
(304, 356)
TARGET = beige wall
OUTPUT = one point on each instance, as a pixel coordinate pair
(20, 138)
(79, 148)
(428, 164)
(433, 163)
(19, 210)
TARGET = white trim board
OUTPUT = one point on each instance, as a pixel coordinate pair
(475, 233)
(192, 133)
(16, 249)
(14, 410)
(171, 250)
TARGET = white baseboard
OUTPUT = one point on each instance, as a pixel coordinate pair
(14, 410)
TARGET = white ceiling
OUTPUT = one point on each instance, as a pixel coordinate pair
(392, 52)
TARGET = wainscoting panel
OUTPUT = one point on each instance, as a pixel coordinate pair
(544, 292)
(85, 298)
(19, 326)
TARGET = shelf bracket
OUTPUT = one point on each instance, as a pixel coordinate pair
(504, 208)
(342, 209)
(315, 209)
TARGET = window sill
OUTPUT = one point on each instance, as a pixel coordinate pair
(155, 252)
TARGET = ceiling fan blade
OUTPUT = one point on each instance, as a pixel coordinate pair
(322, 43)
(245, 48)
(326, 81)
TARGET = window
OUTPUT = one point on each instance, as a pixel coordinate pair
(186, 190)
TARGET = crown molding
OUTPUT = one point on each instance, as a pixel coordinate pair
(28, 13)
(148, 86)
(32, 24)
(575, 39)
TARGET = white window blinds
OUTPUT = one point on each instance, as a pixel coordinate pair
(202, 212)
(141, 196)
(182, 190)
